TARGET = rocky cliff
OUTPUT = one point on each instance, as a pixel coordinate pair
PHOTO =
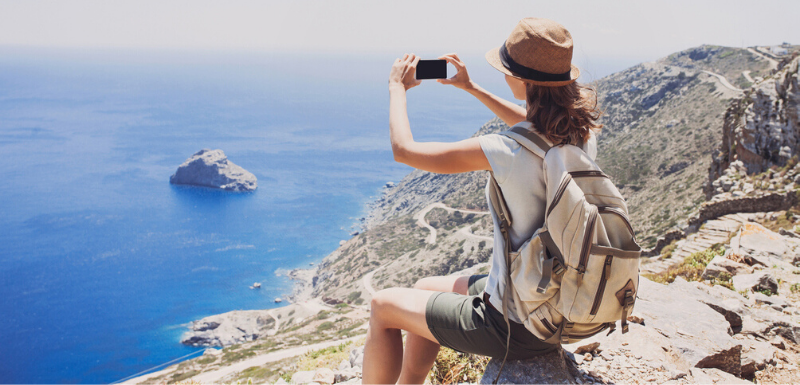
(760, 130)
(719, 295)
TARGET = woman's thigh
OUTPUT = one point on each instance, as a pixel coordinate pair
(402, 308)
(450, 283)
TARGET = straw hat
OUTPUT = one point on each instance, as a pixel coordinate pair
(539, 51)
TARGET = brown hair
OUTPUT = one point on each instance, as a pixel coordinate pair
(564, 114)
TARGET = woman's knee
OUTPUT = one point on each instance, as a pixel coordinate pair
(381, 301)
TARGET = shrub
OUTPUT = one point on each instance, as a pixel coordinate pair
(353, 296)
(453, 367)
(667, 250)
(327, 325)
(691, 268)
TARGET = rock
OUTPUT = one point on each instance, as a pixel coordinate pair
(729, 304)
(229, 328)
(755, 356)
(636, 319)
(788, 233)
(280, 381)
(588, 348)
(778, 302)
(344, 365)
(551, 368)
(715, 376)
(760, 281)
(701, 343)
(778, 343)
(357, 357)
(721, 264)
(323, 376)
(211, 168)
(303, 377)
(764, 245)
(212, 352)
(345, 375)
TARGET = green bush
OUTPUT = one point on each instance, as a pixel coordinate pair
(353, 296)
(327, 325)
(691, 268)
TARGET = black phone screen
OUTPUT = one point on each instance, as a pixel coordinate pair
(432, 69)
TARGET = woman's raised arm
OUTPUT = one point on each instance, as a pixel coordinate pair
(443, 158)
(507, 111)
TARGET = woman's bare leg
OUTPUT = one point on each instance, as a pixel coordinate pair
(392, 310)
(420, 353)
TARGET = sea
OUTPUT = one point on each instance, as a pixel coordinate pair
(103, 262)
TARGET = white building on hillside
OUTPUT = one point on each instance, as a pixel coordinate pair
(779, 51)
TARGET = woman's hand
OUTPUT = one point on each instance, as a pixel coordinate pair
(461, 79)
(404, 72)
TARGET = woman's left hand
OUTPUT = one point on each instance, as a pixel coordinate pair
(404, 72)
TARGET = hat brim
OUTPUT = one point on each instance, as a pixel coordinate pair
(493, 57)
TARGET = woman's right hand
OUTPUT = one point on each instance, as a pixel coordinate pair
(461, 78)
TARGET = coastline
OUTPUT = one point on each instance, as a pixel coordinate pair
(303, 284)
(301, 297)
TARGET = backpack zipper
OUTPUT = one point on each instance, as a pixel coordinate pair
(588, 173)
(587, 335)
(598, 298)
(618, 212)
(561, 188)
(549, 326)
(587, 241)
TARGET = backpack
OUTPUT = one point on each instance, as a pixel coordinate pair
(579, 273)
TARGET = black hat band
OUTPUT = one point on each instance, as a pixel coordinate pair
(529, 73)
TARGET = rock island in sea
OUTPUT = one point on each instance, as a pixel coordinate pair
(211, 168)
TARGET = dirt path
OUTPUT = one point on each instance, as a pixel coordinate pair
(217, 375)
(746, 75)
(465, 231)
(367, 281)
(724, 81)
(773, 64)
(420, 217)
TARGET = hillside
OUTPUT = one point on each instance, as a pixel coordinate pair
(691, 152)
(662, 123)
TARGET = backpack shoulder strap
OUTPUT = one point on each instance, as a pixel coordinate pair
(523, 133)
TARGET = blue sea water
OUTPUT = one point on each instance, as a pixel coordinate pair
(103, 262)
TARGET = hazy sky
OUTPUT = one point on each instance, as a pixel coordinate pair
(625, 30)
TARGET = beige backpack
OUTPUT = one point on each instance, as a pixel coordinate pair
(578, 274)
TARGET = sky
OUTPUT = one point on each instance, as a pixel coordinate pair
(625, 31)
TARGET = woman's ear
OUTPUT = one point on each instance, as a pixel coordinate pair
(518, 87)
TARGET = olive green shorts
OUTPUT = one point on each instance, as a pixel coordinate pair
(467, 324)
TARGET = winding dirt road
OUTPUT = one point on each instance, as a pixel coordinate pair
(773, 64)
(420, 217)
(724, 81)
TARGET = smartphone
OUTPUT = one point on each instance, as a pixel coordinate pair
(432, 69)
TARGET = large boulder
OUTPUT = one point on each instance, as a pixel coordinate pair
(760, 281)
(211, 168)
(551, 368)
(680, 329)
(229, 328)
(699, 335)
(722, 265)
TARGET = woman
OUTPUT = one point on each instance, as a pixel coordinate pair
(461, 312)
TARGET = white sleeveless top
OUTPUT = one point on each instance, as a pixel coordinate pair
(519, 174)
